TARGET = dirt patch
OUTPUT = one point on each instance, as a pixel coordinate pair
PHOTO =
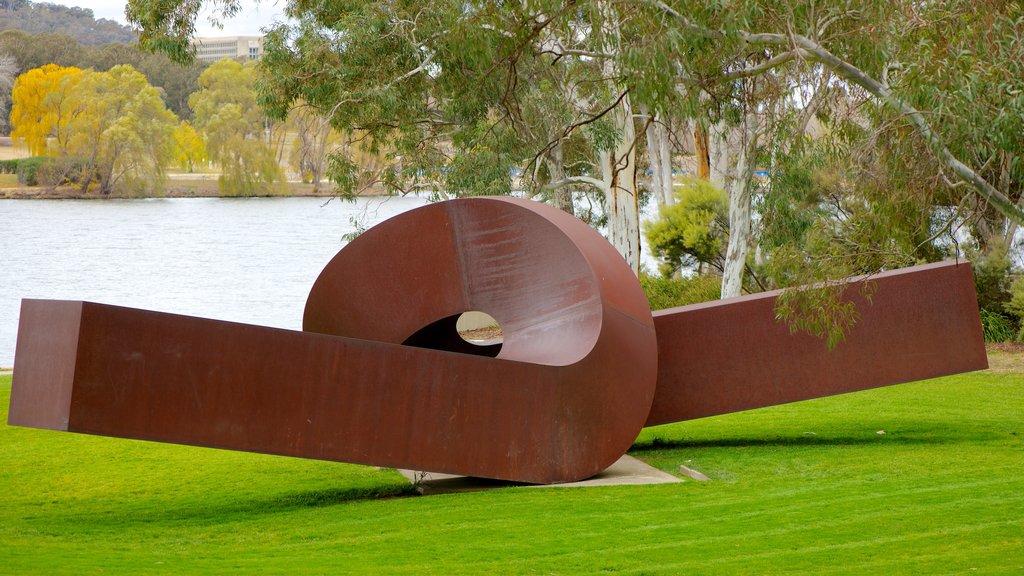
(1005, 357)
(1010, 347)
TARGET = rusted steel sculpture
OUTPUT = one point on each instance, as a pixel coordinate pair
(379, 375)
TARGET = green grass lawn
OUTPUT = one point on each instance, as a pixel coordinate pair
(805, 488)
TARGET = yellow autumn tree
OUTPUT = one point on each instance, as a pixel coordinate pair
(103, 129)
(191, 148)
(40, 107)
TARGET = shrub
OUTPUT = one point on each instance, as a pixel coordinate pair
(671, 292)
(64, 171)
(693, 230)
(996, 327)
(1016, 305)
(28, 170)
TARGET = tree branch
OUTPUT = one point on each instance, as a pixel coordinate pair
(811, 50)
(558, 51)
(572, 127)
(573, 179)
(761, 68)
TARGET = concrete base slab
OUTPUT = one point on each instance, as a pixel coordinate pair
(626, 470)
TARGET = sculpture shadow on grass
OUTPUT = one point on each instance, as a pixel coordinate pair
(172, 511)
(803, 440)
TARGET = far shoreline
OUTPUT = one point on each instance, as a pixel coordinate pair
(74, 193)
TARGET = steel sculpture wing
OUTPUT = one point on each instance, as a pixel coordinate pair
(380, 376)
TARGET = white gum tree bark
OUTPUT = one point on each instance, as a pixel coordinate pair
(732, 168)
(618, 182)
(659, 151)
(618, 164)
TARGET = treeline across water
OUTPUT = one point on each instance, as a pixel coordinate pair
(112, 132)
(175, 82)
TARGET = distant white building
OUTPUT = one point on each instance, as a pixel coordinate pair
(237, 47)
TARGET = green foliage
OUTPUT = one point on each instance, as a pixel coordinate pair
(168, 26)
(344, 173)
(1000, 297)
(111, 127)
(45, 170)
(826, 218)
(175, 81)
(992, 279)
(1016, 305)
(36, 50)
(996, 327)
(821, 310)
(800, 183)
(693, 230)
(65, 171)
(663, 292)
(479, 172)
(27, 169)
(453, 97)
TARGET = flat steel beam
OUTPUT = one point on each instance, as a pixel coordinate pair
(732, 355)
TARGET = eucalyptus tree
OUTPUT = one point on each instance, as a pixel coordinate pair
(459, 95)
(889, 61)
(446, 90)
(859, 42)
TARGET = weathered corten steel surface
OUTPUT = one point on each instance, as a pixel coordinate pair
(379, 375)
(567, 393)
(733, 355)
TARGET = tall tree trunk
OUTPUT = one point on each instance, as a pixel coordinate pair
(659, 151)
(737, 183)
(618, 165)
(721, 161)
(562, 195)
(618, 176)
(700, 146)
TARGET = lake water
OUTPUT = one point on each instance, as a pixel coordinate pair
(248, 260)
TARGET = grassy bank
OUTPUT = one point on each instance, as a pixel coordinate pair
(813, 487)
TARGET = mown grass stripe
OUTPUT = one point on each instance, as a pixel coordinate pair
(940, 484)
